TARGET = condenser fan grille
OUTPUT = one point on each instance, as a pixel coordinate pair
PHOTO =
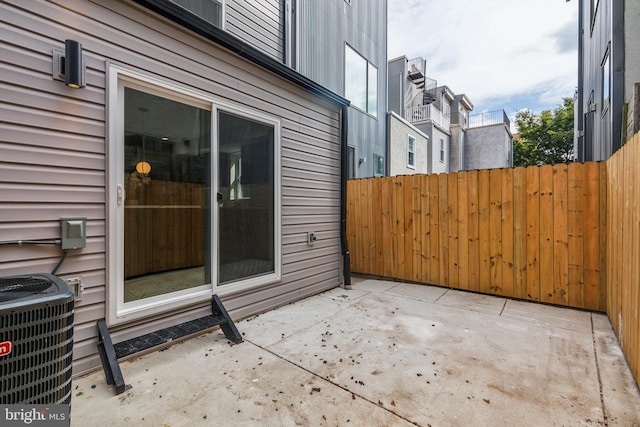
(20, 287)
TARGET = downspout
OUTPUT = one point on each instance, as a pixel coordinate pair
(344, 176)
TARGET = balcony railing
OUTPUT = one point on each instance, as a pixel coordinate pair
(496, 117)
(423, 113)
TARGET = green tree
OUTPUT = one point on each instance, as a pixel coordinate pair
(545, 138)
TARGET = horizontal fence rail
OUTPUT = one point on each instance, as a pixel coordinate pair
(532, 233)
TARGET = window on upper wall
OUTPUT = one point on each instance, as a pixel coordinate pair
(606, 81)
(211, 11)
(411, 152)
(442, 150)
(378, 165)
(360, 82)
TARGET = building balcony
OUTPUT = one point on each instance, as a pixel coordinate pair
(423, 113)
(497, 117)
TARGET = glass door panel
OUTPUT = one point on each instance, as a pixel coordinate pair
(246, 198)
(167, 209)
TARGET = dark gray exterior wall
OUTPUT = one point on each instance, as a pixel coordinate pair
(324, 28)
(396, 81)
(603, 30)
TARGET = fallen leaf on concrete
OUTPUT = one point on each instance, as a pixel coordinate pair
(393, 403)
(486, 400)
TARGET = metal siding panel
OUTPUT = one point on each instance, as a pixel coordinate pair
(325, 26)
(54, 137)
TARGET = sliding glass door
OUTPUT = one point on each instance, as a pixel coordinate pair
(195, 197)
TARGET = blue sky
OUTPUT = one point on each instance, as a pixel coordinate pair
(503, 54)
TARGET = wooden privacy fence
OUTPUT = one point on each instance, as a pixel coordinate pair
(623, 249)
(534, 233)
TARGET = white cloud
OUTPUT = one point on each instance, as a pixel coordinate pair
(491, 50)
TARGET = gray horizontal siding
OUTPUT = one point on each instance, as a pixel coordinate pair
(53, 149)
(259, 23)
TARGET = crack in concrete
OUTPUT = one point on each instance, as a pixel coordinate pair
(284, 359)
(595, 353)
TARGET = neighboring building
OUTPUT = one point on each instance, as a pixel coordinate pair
(419, 100)
(409, 149)
(607, 102)
(200, 161)
(488, 142)
(457, 142)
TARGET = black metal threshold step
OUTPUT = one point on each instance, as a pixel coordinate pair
(163, 336)
(110, 353)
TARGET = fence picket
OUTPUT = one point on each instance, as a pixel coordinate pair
(560, 238)
(474, 232)
(484, 232)
(520, 232)
(434, 229)
(507, 226)
(576, 234)
(463, 230)
(495, 230)
(443, 266)
(547, 284)
(452, 217)
(425, 254)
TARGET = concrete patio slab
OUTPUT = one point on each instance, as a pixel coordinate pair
(472, 301)
(380, 357)
(421, 293)
(557, 317)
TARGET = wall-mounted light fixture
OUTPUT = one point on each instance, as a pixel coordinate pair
(69, 65)
(73, 64)
(362, 160)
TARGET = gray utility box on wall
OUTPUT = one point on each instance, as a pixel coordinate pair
(36, 340)
(74, 232)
